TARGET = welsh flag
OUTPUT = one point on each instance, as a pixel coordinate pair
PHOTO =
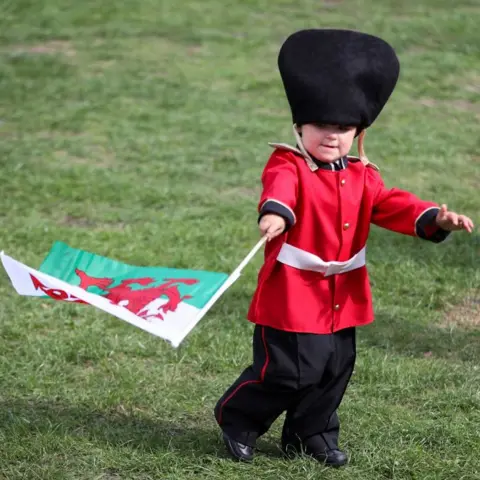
(166, 302)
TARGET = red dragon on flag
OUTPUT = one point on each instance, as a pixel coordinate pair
(135, 300)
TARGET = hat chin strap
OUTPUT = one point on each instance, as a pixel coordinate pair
(361, 151)
(302, 148)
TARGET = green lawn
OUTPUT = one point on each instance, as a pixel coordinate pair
(138, 130)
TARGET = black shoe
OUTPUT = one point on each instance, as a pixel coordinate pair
(329, 457)
(239, 451)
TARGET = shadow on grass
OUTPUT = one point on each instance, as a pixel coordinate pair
(125, 429)
(407, 337)
(28, 418)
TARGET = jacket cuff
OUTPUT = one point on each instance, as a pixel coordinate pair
(427, 228)
(278, 208)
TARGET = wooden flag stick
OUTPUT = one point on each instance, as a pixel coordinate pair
(252, 253)
(228, 282)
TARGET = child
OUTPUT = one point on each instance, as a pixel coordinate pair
(316, 208)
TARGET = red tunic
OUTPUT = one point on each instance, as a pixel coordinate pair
(332, 211)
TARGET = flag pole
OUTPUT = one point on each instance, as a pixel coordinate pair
(252, 253)
(228, 283)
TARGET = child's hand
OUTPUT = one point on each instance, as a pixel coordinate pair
(452, 221)
(271, 225)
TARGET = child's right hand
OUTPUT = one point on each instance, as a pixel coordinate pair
(271, 225)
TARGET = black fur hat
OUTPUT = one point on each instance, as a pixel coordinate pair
(338, 77)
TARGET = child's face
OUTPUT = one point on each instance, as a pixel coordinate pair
(327, 143)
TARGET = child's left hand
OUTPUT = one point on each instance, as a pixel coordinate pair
(452, 221)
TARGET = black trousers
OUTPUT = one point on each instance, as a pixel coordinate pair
(304, 374)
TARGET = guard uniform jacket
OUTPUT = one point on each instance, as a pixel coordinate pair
(314, 278)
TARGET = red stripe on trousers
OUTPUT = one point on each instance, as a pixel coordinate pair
(262, 376)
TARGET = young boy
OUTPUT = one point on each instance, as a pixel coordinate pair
(316, 208)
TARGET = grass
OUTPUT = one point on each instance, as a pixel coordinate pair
(138, 130)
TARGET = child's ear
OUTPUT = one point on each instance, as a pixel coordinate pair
(359, 131)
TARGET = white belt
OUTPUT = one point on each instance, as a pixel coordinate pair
(298, 258)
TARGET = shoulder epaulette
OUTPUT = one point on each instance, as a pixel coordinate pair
(289, 148)
(285, 146)
(365, 162)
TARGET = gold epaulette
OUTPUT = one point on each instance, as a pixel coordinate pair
(365, 161)
(299, 151)
(285, 146)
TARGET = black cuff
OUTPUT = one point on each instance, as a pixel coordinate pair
(427, 228)
(271, 206)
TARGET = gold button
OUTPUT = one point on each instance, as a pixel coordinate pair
(336, 307)
(343, 182)
(346, 226)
